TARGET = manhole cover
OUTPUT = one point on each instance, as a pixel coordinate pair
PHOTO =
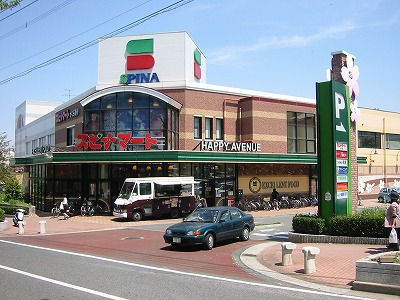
(132, 238)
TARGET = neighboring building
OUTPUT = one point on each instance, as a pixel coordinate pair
(378, 141)
(153, 114)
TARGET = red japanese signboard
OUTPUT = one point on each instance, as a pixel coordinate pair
(97, 142)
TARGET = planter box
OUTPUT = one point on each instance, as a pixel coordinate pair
(378, 277)
(302, 238)
(3, 225)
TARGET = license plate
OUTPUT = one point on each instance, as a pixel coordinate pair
(176, 240)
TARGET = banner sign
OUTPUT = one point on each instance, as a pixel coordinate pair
(334, 155)
(104, 142)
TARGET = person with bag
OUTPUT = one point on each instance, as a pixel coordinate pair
(392, 221)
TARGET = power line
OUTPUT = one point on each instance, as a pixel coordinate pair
(67, 40)
(171, 7)
(37, 19)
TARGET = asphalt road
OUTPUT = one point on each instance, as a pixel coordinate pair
(35, 272)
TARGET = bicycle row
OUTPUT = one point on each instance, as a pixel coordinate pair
(86, 209)
(252, 204)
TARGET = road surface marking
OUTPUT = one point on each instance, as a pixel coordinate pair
(58, 282)
(185, 273)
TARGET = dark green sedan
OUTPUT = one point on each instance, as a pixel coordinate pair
(208, 225)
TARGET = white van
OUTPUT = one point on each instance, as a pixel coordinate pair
(155, 196)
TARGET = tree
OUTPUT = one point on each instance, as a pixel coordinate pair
(13, 190)
(5, 151)
(9, 4)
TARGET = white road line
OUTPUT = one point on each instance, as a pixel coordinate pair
(75, 287)
(187, 273)
(261, 234)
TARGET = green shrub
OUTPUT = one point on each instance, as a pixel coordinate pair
(2, 215)
(367, 223)
(10, 209)
(339, 225)
(13, 190)
(308, 224)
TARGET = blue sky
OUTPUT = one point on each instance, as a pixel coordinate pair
(281, 47)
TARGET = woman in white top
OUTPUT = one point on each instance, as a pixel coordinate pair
(64, 207)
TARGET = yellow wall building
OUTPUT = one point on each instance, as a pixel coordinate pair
(378, 140)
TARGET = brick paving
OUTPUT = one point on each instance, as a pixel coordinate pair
(336, 263)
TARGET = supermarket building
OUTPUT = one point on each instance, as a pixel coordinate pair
(152, 113)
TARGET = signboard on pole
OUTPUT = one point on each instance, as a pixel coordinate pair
(334, 149)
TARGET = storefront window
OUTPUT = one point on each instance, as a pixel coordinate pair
(92, 171)
(219, 170)
(173, 170)
(141, 100)
(103, 171)
(125, 100)
(197, 170)
(124, 120)
(109, 102)
(208, 170)
(131, 121)
(64, 171)
(122, 171)
(185, 169)
(230, 170)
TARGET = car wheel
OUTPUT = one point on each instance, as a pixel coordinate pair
(174, 213)
(209, 241)
(380, 199)
(245, 234)
(137, 216)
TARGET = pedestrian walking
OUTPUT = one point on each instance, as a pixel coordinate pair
(275, 194)
(392, 219)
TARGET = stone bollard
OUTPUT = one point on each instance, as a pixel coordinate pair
(3, 225)
(21, 227)
(287, 248)
(309, 259)
(42, 227)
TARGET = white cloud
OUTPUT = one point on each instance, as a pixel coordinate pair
(227, 54)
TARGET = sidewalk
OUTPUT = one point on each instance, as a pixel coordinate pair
(336, 263)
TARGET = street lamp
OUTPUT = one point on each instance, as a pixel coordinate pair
(370, 155)
(371, 160)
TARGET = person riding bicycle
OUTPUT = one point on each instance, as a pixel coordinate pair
(64, 207)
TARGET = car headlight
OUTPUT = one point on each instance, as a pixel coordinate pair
(197, 232)
(168, 231)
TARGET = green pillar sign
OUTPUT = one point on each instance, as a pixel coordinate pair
(334, 149)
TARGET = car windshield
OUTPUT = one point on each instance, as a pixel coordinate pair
(127, 190)
(203, 215)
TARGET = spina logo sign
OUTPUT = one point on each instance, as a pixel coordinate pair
(139, 58)
(197, 64)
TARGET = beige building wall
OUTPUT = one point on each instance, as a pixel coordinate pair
(382, 168)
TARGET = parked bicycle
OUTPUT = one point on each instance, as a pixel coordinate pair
(87, 208)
